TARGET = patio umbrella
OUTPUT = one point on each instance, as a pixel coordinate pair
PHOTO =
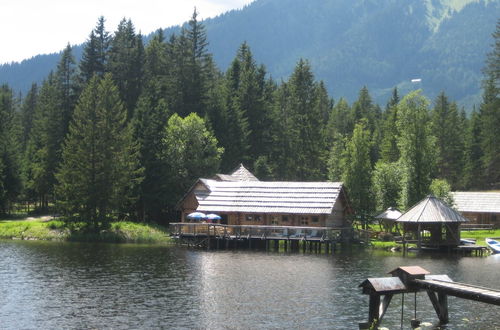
(213, 216)
(196, 216)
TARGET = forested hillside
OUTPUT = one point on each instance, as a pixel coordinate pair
(349, 44)
(127, 130)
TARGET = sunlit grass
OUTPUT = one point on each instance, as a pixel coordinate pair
(118, 232)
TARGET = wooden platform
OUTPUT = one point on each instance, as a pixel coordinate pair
(461, 290)
(293, 238)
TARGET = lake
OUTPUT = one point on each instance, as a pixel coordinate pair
(51, 285)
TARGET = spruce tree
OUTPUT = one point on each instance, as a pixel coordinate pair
(10, 180)
(125, 63)
(100, 162)
(95, 53)
(450, 142)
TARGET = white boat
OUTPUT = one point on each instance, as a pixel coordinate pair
(493, 244)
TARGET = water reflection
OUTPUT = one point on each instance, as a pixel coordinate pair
(70, 285)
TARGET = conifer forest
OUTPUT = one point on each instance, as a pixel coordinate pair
(125, 132)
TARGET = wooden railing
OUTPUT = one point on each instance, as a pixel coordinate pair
(264, 232)
(476, 226)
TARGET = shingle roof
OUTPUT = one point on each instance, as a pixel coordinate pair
(483, 202)
(239, 174)
(242, 174)
(431, 209)
(268, 197)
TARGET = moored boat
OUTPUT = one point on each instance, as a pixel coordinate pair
(493, 244)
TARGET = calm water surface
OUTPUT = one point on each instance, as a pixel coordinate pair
(47, 285)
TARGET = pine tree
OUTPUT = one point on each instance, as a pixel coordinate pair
(125, 63)
(474, 176)
(95, 53)
(100, 161)
(450, 142)
(27, 114)
(10, 181)
(389, 151)
(67, 85)
(490, 115)
(44, 147)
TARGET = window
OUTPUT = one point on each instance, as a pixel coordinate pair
(248, 217)
(315, 219)
(258, 218)
(274, 220)
(284, 218)
(304, 221)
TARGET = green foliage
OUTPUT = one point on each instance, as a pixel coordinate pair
(358, 170)
(442, 190)
(190, 152)
(417, 148)
(100, 162)
(386, 181)
(10, 180)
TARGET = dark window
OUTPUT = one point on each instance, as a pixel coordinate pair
(258, 218)
(284, 218)
(249, 217)
(315, 219)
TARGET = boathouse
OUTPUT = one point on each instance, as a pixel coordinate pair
(480, 207)
(433, 224)
(241, 199)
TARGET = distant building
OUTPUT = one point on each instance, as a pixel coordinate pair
(241, 199)
(480, 207)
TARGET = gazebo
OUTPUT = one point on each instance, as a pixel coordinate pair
(435, 224)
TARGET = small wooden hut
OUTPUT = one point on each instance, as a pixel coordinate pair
(388, 218)
(433, 223)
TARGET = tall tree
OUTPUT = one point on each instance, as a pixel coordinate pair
(358, 170)
(490, 115)
(95, 53)
(389, 151)
(417, 148)
(474, 176)
(10, 182)
(190, 152)
(386, 183)
(100, 161)
(44, 150)
(447, 128)
(125, 62)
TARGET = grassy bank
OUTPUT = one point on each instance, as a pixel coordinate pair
(480, 235)
(118, 232)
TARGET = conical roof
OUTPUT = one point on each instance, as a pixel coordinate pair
(391, 213)
(431, 209)
(242, 174)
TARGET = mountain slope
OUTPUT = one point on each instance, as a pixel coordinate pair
(350, 43)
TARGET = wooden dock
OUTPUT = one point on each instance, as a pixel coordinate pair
(289, 238)
(413, 279)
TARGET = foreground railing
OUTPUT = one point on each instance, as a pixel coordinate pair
(255, 231)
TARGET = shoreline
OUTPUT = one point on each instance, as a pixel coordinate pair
(41, 229)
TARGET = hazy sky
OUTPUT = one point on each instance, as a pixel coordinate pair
(32, 27)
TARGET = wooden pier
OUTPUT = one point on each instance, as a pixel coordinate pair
(414, 279)
(289, 238)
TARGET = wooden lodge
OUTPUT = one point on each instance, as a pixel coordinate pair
(482, 208)
(246, 204)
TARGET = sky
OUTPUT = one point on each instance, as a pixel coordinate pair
(32, 27)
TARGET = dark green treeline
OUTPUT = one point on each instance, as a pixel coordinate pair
(125, 132)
